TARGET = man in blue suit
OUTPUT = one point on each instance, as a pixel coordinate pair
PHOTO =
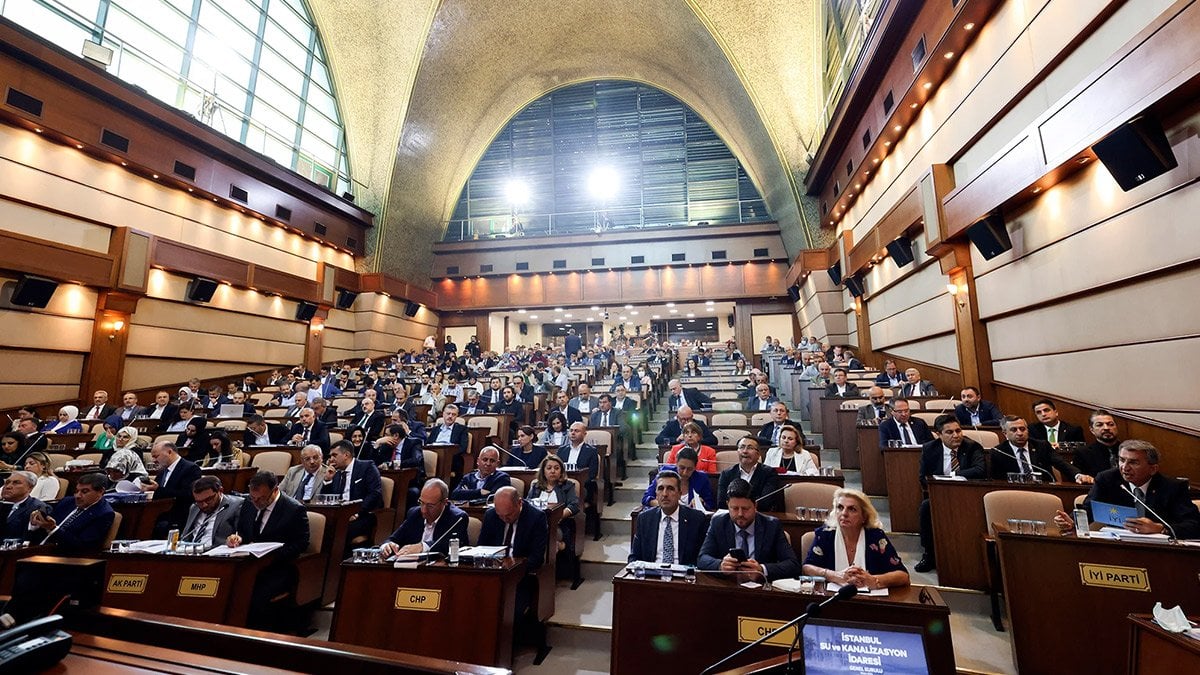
(18, 506)
(430, 525)
(686, 527)
(759, 536)
(484, 480)
(80, 523)
(354, 479)
(762, 399)
(974, 411)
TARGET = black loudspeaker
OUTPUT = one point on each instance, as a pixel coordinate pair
(345, 298)
(729, 321)
(524, 327)
(794, 293)
(835, 273)
(1136, 152)
(411, 308)
(901, 250)
(201, 289)
(990, 236)
(856, 285)
(305, 311)
(33, 291)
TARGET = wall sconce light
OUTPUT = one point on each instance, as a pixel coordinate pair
(317, 328)
(958, 292)
(115, 327)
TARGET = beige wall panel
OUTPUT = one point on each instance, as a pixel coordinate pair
(778, 326)
(369, 303)
(1143, 376)
(336, 355)
(173, 288)
(69, 300)
(928, 318)
(374, 342)
(497, 331)
(918, 287)
(383, 323)
(204, 319)
(1110, 251)
(32, 222)
(1092, 321)
(341, 319)
(152, 341)
(14, 395)
(337, 339)
(1182, 419)
(25, 367)
(939, 351)
(144, 373)
(44, 331)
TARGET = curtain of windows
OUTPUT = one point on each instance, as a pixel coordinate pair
(846, 24)
(251, 69)
(670, 168)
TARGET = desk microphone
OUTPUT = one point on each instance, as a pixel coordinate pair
(773, 493)
(1164, 522)
(1033, 466)
(430, 554)
(524, 462)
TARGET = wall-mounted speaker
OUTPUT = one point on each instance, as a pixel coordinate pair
(411, 308)
(794, 293)
(305, 311)
(524, 328)
(201, 289)
(1136, 152)
(901, 251)
(729, 321)
(32, 291)
(345, 298)
(990, 236)
(835, 273)
(857, 285)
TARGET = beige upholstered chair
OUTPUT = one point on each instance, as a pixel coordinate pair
(275, 461)
(819, 495)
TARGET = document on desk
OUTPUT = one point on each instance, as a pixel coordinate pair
(148, 546)
(1125, 535)
(935, 477)
(257, 550)
(862, 590)
(482, 551)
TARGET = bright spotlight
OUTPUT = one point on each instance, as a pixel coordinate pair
(602, 183)
(517, 192)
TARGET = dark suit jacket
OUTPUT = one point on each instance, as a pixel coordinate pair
(516, 409)
(1067, 433)
(588, 456)
(764, 481)
(1165, 495)
(288, 525)
(458, 436)
(1043, 457)
(695, 397)
(170, 414)
(989, 414)
(970, 460)
(771, 548)
(572, 414)
(471, 485)
(179, 487)
(672, 430)
(922, 388)
(687, 546)
(365, 484)
(851, 391)
(329, 418)
(453, 519)
(225, 525)
(14, 522)
(277, 434)
(890, 431)
(1095, 458)
(372, 425)
(766, 433)
(81, 536)
(866, 412)
(616, 418)
(106, 411)
(319, 435)
(754, 404)
(36, 441)
(529, 541)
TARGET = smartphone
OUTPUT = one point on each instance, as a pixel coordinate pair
(737, 554)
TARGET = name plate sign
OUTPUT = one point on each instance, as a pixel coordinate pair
(418, 599)
(199, 587)
(751, 629)
(127, 583)
(1115, 576)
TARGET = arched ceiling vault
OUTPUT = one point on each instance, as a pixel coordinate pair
(425, 86)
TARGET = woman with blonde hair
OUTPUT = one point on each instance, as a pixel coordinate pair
(553, 486)
(851, 547)
(47, 485)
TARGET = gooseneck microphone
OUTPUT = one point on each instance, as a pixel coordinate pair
(1162, 520)
(523, 461)
(1033, 466)
(772, 493)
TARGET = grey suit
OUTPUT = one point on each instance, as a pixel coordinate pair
(866, 413)
(294, 478)
(226, 518)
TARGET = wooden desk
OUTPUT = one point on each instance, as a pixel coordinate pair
(677, 647)
(194, 587)
(813, 396)
(831, 432)
(138, 518)
(236, 480)
(959, 526)
(461, 613)
(400, 478)
(870, 460)
(547, 573)
(846, 422)
(445, 458)
(903, 469)
(8, 563)
(1152, 650)
(337, 524)
(1058, 597)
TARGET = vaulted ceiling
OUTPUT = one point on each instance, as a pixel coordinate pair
(424, 86)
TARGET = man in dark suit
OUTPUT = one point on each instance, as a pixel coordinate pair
(308, 431)
(369, 419)
(1138, 472)
(768, 434)
(606, 416)
(130, 410)
(672, 431)
(915, 386)
(840, 387)
(763, 480)
(18, 506)
(975, 412)
(762, 399)
(689, 397)
(877, 410)
(1100, 455)
(261, 432)
(485, 480)
(430, 525)
(174, 480)
(1035, 457)
(561, 405)
(239, 398)
(213, 514)
(760, 537)
(100, 409)
(1050, 428)
(572, 344)
(521, 528)
(903, 427)
(35, 441)
(354, 480)
(686, 526)
(326, 414)
(80, 524)
(578, 453)
(270, 515)
(950, 454)
(163, 410)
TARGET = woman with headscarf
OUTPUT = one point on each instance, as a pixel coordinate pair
(106, 440)
(125, 463)
(193, 440)
(67, 422)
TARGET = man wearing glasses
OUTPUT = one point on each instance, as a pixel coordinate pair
(878, 409)
(426, 526)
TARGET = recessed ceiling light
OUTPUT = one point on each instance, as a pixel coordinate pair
(1036, 190)
(875, 161)
(558, 321)
(914, 106)
(674, 311)
(533, 316)
(568, 315)
(710, 303)
(857, 186)
(37, 130)
(898, 128)
(623, 318)
(558, 309)
(887, 144)
(928, 85)
(634, 313)
(691, 321)
(670, 304)
(712, 309)
(948, 55)
(656, 316)
(970, 26)
(628, 306)
(521, 311)
(690, 314)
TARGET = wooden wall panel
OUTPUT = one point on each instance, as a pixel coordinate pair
(184, 343)
(765, 279)
(602, 287)
(643, 285)
(723, 281)
(44, 257)
(680, 283)
(560, 289)
(185, 259)
(526, 291)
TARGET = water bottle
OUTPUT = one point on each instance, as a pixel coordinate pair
(1081, 523)
(454, 551)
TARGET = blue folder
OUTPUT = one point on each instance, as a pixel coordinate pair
(1112, 514)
